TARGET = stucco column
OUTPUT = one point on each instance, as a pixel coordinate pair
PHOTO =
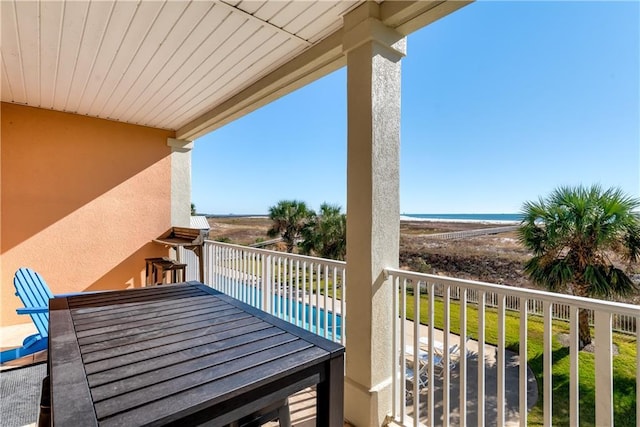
(180, 182)
(373, 54)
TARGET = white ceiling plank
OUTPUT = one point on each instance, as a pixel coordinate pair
(27, 15)
(187, 56)
(98, 17)
(73, 25)
(249, 6)
(220, 43)
(318, 29)
(289, 13)
(153, 43)
(130, 42)
(317, 12)
(223, 90)
(269, 9)
(140, 30)
(177, 42)
(119, 22)
(11, 52)
(51, 14)
(230, 53)
(261, 22)
(262, 57)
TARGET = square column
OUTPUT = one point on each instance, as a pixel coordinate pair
(373, 55)
(180, 182)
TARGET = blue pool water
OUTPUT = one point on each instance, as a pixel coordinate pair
(302, 314)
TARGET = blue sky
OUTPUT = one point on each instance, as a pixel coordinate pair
(501, 103)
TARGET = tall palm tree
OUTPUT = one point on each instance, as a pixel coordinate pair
(573, 233)
(289, 218)
(326, 234)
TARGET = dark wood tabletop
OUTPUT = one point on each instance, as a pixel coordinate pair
(181, 354)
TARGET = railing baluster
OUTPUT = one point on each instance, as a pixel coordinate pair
(297, 295)
(604, 369)
(522, 360)
(403, 344)
(343, 306)
(326, 301)
(318, 284)
(481, 358)
(304, 296)
(637, 320)
(547, 362)
(446, 383)
(500, 356)
(395, 343)
(416, 362)
(278, 290)
(430, 286)
(245, 277)
(266, 292)
(334, 319)
(234, 275)
(574, 378)
(463, 356)
(290, 300)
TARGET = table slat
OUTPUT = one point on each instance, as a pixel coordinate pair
(166, 350)
(212, 388)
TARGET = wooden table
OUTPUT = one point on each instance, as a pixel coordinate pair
(184, 354)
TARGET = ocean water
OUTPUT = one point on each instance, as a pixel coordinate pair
(501, 217)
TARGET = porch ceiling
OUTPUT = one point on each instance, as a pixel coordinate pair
(184, 66)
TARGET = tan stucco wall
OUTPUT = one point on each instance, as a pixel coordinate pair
(81, 200)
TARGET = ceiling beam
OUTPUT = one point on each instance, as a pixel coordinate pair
(407, 17)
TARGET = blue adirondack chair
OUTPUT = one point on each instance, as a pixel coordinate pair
(34, 293)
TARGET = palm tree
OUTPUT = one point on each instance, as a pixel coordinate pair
(289, 218)
(573, 233)
(326, 233)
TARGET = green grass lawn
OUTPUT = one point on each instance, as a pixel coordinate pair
(624, 364)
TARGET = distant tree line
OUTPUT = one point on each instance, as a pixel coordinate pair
(322, 233)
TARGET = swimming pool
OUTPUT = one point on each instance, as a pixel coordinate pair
(304, 314)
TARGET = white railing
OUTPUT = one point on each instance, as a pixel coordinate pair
(306, 291)
(190, 258)
(429, 400)
(620, 322)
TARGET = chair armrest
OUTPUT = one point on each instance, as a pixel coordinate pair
(32, 310)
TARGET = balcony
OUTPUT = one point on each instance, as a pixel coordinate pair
(105, 138)
(496, 324)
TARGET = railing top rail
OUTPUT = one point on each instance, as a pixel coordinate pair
(325, 261)
(600, 305)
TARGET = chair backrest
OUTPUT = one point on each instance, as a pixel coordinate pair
(34, 292)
